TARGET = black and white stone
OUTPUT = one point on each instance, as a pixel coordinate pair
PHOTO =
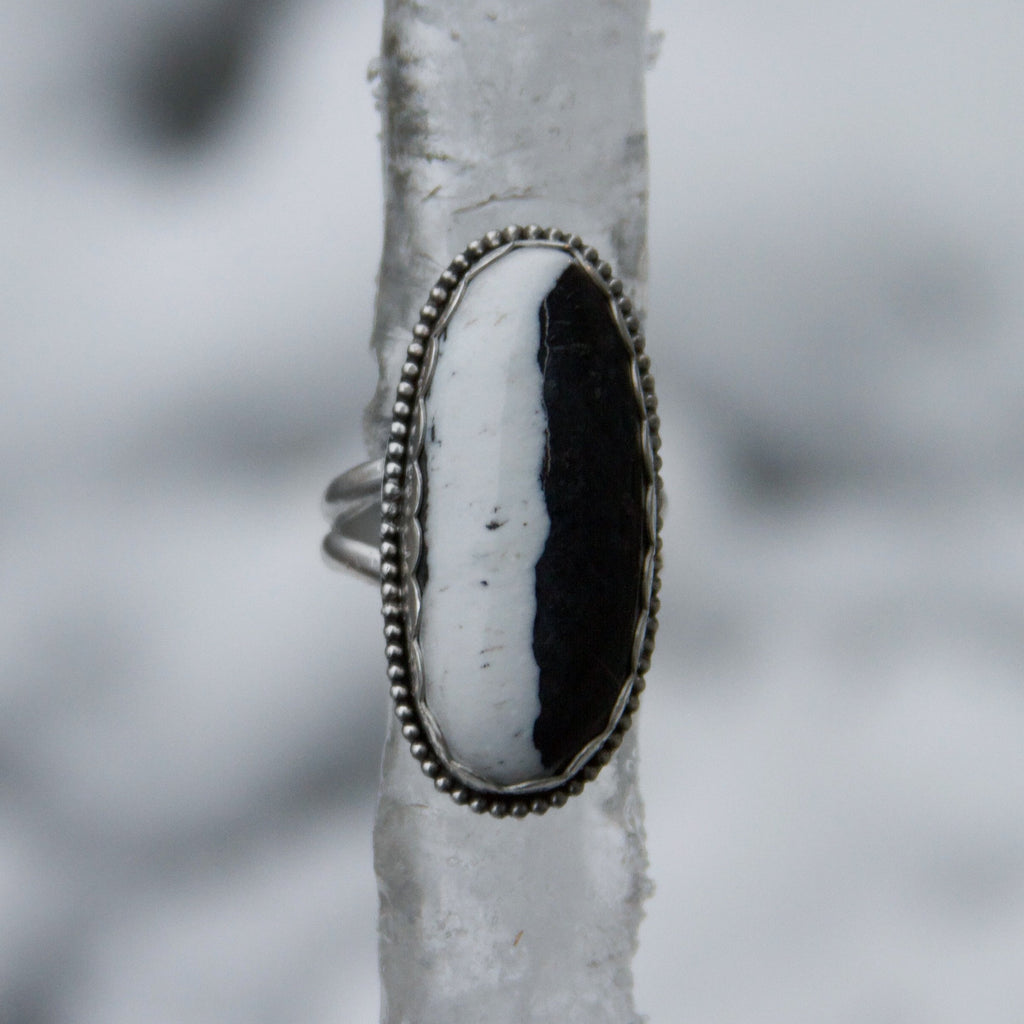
(532, 521)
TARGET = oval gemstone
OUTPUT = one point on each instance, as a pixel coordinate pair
(533, 522)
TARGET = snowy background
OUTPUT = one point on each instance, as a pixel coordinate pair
(191, 705)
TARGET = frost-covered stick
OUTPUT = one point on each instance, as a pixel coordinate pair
(495, 113)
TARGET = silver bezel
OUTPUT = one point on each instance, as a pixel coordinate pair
(402, 533)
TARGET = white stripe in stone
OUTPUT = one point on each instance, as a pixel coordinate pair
(484, 445)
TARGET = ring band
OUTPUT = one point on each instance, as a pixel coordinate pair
(519, 498)
(349, 497)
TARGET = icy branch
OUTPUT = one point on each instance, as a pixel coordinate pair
(495, 113)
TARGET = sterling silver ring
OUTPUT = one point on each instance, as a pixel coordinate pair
(518, 508)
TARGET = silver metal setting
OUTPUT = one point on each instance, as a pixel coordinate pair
(401, 532)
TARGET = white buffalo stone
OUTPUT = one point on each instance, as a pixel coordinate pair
(486, 523)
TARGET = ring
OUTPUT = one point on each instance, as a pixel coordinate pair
(518, 508)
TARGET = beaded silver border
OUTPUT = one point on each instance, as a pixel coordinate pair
(402, 532)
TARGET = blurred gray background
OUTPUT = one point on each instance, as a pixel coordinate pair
(192, 706)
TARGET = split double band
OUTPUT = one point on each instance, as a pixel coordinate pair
(351, 499)
(518, 498)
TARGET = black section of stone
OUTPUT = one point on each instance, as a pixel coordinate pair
(588, 577)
